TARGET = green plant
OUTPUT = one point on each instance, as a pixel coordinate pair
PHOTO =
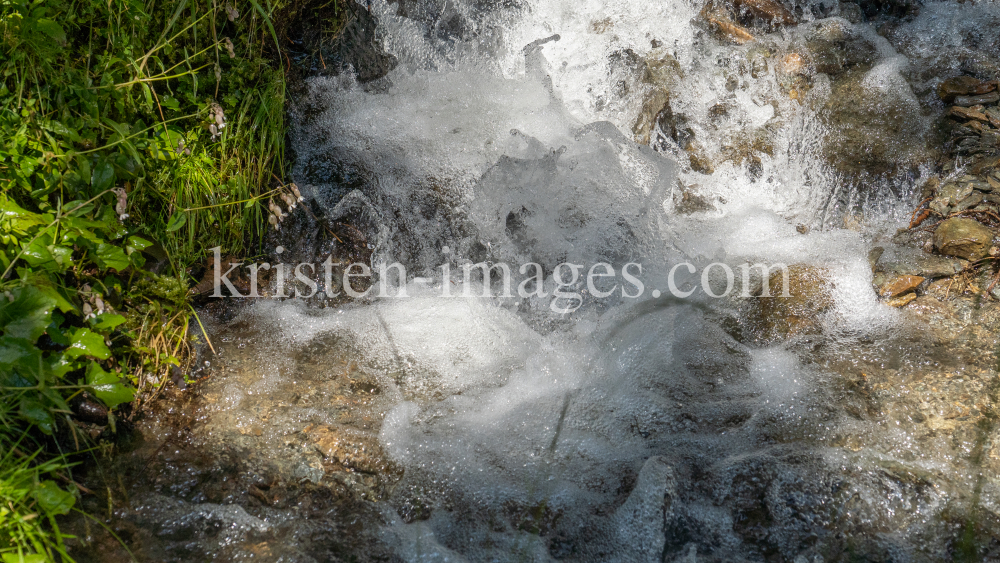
(27, 498)
(136, 134)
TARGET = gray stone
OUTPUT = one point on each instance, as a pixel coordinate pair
(973, 200)
(969, 101)
(963, 237)
(852, 12)
(644, 515)
(940, 206)
(954, 192)
(903, 261)
(873, 255)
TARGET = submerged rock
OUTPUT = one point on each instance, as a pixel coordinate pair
(902, 261)
(902, 300)
(797, 311)
(349, 448)
(900, 285)
(963, 237)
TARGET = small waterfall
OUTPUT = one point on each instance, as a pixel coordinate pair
(608, 418)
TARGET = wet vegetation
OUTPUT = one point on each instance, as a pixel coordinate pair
(136, 135)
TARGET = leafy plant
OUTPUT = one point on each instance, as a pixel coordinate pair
(136, 134)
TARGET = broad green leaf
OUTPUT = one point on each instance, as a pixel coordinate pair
(59, 129)
(176, 221)
(16, 219)
(63, 255)
(87, 343)
(103, 176)
(52, 499)
(28, 315)
(37, 254)
(58, 365)
(35, 413)
(170, 102)
(166, 144)
(110, 256)
(137, 260)
(56, 293)
(137, 243)
(16, 350)
(52, 29)
(108, 386)
(106, 321)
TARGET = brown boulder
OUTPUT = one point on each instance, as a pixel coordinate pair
(965, 238)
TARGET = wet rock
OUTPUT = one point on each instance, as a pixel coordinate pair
(689, 202)
(993, 115)
(835, 49)
(793, 63)
(951, 88)
(901, 301)
(351, 449)
(661, 72)
(662, 69)
(357, 47)
(872, 129)
(851, 11)
(954, 192)
(798, 312)
(768, 10)
(88, 409)
(700, 162)
(968, 113)
(904, 260)
(900, 285)
(725, 29)
(968, 101)
(940, 205)
(873, 9)
(758, 62)
(873, 256)
(968, 203)
(655, 112)
(963, 237)
(644, 515)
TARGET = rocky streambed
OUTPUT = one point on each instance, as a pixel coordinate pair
(853, 421)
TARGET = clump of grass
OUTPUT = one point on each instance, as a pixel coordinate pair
(29, 499)
(137, 134)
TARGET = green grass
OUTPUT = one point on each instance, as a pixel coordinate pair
(30, 500)
(137, 134)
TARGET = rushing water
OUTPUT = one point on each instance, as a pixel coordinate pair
(633, 428)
